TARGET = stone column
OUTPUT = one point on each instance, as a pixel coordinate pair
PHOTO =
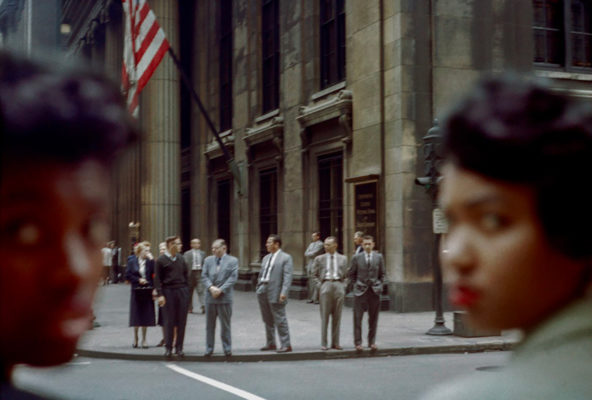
(161, 148)
(125, 191)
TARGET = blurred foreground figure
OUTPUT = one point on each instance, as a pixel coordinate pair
(519, 246)
(59, 131)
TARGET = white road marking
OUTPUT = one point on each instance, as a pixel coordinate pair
(79, 363)
(214, 383)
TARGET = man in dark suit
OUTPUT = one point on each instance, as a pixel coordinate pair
(273, 286)
(358, 242)
(330, 271)
(194, 259)
(171, 281)
(367, 274)
(220, 273)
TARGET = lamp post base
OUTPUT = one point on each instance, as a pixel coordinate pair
(439, 330)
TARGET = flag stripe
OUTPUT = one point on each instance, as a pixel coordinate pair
(144, 12)
(143, 80)
(144, 48)
(147, 41)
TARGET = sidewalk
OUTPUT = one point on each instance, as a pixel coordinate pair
(398, 334)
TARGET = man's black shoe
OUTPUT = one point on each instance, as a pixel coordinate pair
(168, 354)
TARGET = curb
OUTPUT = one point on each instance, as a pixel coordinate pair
(307, 356)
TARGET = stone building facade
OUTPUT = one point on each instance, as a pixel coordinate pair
(323, 106)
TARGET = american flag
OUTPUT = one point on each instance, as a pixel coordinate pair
(144, 47)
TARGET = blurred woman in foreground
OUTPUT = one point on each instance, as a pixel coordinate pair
(518, 251)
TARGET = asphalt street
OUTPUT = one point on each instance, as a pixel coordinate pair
(403, 377)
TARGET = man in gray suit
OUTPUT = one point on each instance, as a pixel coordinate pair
(314, 249)
(220, 272)
(358, 242)
(329, 274)
(194, 259)
(273, 285)
(367, 274)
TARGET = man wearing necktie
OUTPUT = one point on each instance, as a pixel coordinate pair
(220, 272)
(329, 275)
(367, 272)
(194, 259)
(273, 286)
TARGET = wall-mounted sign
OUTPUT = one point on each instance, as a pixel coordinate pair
(439, 221)
(366, 208)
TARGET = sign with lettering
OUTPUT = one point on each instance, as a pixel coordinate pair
(366, 208)
(439, 221)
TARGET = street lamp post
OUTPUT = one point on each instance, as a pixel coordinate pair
(433, 158)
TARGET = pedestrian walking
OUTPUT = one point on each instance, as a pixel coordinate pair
(220, 273)
(194, 259)
(517, 252)
(107, 253)
(139, 272)
(314, 249)
(273, 286)
(171, 281)
(330, 272)
(367, 274)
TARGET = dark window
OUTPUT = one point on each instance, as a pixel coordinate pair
(224, 192)
(563, 33)
(331, 195)
(225, 64)
(267, 206)
(270, 36)
(332, 42)
(580, 33)
(548, 31)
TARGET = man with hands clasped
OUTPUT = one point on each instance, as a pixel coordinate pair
(220, 272)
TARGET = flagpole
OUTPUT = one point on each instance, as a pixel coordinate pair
(229, 159)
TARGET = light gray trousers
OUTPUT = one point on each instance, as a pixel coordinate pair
(332, 295)
(274, 317)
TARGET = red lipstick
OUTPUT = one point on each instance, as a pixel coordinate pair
(463, 296)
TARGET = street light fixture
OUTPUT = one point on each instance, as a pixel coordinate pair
(134, 233)
(432, 161)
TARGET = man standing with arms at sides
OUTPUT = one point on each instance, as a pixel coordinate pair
(358, 242)
(314, 249)
(220, 273)
(171, 282)
(367, 275)
(330, 271)
(273, 285)
(194, 259)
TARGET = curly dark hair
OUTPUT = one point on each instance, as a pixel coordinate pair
(515, 129)
(63, 114)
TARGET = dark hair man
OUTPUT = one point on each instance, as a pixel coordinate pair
(171, 281)
(272, 290)
(367, 274)
(59, 132)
